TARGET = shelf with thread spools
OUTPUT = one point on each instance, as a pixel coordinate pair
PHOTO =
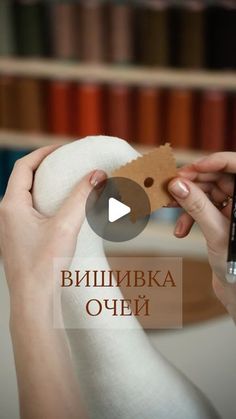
(102, 73)
(193, 109)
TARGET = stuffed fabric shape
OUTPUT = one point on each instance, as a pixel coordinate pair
(120, 374)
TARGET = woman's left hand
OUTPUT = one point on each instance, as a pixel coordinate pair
(29, 243)
(29, 240)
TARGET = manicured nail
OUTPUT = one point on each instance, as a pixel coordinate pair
(97, 178)
(179, 189)
(178, 228)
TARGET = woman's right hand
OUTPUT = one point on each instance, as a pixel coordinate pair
(195, 189)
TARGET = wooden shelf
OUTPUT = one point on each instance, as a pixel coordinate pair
(17, 140)
(45, 68)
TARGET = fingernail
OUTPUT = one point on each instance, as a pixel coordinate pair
(178, 228)
(97, 178)
(179, 189)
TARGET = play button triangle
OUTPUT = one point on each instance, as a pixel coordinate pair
(117, 210)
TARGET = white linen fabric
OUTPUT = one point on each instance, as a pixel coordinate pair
(121, 375)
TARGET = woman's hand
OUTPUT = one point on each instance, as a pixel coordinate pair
(200, 189)
(48, 387)
(29, 240)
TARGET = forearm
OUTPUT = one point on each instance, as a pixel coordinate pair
(47, 384)
(30, 241)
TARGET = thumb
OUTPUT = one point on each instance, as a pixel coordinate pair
(71, 214)
(197, 204)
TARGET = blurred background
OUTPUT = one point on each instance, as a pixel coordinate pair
(148, 71)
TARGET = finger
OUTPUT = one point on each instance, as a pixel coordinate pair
(183, 225)
(194, 175)
(226, 211)
(196, 203)
(226, 184)
(72, 213)
(224, 180)
(205, 186)
(172, 204)
(222, 161)
(187, 171)
(21, 179)
(217, 195)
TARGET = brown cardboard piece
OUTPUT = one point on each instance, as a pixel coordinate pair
(152, 172)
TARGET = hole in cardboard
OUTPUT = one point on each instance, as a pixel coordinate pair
(148, 182)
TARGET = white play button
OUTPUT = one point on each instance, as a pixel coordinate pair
(117, 210)
(111, 215)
